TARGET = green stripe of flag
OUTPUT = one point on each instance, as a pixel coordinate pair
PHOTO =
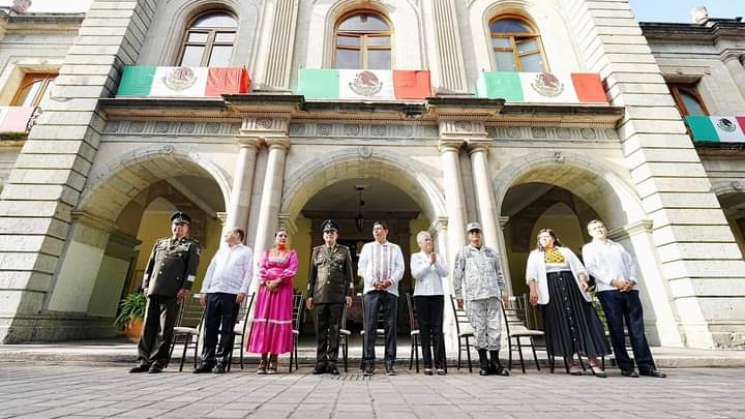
(319, 84)
(136, 81)
(702, 128)
(500, 84)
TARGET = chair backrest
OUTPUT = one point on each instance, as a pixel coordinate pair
(245, 309)
(191, 312)
(413, 322)
(297, 311)
(504, 314)
(459, 314)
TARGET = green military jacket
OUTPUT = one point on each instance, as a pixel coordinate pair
(331, 275)
(173, 265)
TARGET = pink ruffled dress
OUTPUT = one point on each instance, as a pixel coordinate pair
(271, 329)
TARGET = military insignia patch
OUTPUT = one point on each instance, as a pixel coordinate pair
(726, 125)
(366, 83)
(547, 84)
(180, 78)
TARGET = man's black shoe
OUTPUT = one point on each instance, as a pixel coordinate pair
(484, 366)
(629, 373)
(155, 369)
(140, 368)
(390, 369)
(653, 373)
(369, 370)
(203, 368)
(331, 369)
(319, 369)
(219, 369)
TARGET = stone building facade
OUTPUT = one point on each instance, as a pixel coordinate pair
(99, 172)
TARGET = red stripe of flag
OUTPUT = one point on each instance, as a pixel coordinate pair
(589, 87)
(741, 121)
(412, 84)
(227, 80)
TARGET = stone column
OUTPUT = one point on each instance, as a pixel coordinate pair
(479, 152)
(736, 69)
(502, 249)
(271, 193)
(274, 69)
(449, 71)
(456, 237)
(243, 178)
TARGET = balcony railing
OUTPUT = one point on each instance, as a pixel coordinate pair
(364, 85)
(16, 120)
(186, 82)
(716, 129)
(554, 88)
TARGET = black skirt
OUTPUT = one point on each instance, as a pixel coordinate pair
(571, 323)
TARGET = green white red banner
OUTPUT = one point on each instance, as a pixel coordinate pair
(150, 81)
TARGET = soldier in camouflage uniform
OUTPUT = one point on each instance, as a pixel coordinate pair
(169, 275)
(478, 278)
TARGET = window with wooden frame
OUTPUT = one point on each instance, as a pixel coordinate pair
(516, 45)
(363, 41)
(687, 99)
(34, 87)
(209, 41)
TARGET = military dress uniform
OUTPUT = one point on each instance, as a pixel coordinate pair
(331, 281)
(171, 267)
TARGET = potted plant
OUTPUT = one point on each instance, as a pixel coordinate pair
(131, 315)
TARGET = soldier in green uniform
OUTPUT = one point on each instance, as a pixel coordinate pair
(169, 275)
(331, 285)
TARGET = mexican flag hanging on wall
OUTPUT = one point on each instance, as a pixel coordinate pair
(717, 129)
(364, 84)
(542, 87)
(144, 81)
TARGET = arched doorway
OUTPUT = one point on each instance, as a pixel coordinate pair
(124, 209)
(733, 204)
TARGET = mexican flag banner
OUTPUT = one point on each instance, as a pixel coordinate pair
(149, 81)
(718, 129)
(364, 84)
(542, 87)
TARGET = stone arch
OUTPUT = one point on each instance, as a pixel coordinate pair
(411, 177)
(731, 197)
(595, 182)
(113, 185)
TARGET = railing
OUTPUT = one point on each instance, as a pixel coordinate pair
(716, 129)
(569, 88)
(194, 82)
(364, 85)
(16, 119)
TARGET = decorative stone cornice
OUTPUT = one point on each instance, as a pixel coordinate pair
(287, 223)
(265, 126)
(503, 220)
(222, 216)
(631, 229)
(277, 143)
(438, 225)
(91, 220)
(478, 145)
(450, 144)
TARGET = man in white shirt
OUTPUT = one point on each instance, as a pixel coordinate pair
(381, 266)
(223, 292)
(616, 278)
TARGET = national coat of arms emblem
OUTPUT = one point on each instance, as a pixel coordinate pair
(180, 78)
(366, 83)
(547, 84)
(726, 125)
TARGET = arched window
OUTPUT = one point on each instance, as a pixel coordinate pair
(516, 45)
(209, 41)
(33, 89)
(687, 99)
(363, 41)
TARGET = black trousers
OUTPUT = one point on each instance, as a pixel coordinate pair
(219, 320)
(429, 314)
(157, 333)
(626, 306)
(386, 302)
(328, 323)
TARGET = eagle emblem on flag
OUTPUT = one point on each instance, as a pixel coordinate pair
(180, 78)
(366, 83)
(726, 125)
(547, 84)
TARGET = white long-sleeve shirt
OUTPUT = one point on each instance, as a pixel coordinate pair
(608, 261)
(428, 275)
(230, 270)
(379, 262)
(536, 271)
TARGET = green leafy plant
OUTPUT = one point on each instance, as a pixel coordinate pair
(130, 308)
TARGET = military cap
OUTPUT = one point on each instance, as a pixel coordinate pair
(180, 217)
(329, 225)
(473, 227)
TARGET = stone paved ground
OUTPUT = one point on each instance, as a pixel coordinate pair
(50, 391)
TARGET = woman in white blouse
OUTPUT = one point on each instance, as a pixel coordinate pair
(558, 284)
(428, 269)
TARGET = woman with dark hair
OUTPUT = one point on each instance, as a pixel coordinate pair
(558, 283)
(271, 331)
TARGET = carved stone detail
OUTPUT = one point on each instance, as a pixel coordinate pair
(175, 128)
(349, 130)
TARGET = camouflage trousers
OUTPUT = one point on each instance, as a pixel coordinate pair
(485, 316)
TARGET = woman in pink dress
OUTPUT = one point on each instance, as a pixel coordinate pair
(271, 331)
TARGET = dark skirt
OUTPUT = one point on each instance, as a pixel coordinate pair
(571, 323)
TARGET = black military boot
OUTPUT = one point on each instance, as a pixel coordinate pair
(495, 366)
(483, 363)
